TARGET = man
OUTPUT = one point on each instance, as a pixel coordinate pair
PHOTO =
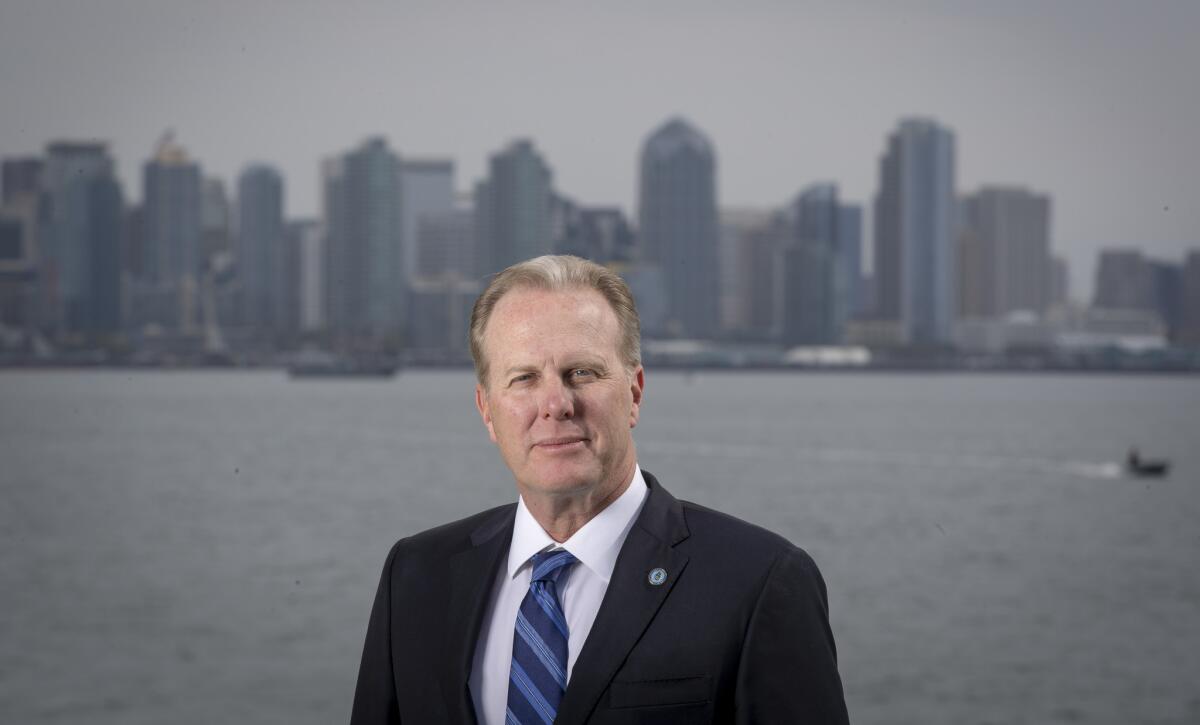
(598, 597)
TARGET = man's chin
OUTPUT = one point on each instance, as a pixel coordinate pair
(564, 483)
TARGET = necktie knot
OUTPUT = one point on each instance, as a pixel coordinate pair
(549, 566)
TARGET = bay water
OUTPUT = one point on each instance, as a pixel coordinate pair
(204, 546)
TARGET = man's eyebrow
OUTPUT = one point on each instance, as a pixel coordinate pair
(520, 369)
(586, 362)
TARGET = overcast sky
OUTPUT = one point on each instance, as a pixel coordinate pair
(1095, 103)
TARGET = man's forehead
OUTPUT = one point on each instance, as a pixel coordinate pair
(525, 306)
(531, 315)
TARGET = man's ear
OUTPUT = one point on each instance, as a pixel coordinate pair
(481, 404)
(637, 383)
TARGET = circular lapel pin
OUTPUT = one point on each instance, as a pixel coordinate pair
(657, 576)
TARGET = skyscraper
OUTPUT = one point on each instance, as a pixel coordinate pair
(21, 177)
(426, 188)
(19, 212)
(81, 260)
(812, 282)
(914, 225)
(1123, 281)
(1008, 269)
(261, 267)
(446, 245)
(677, 211)
(601, 234)
(1189, 323)
(216, 219)
(171, 260)
(1060, 283)
(849, 249)
(736, 225)
(364, 284)
(513, 208)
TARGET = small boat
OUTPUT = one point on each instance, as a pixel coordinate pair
(1138, 467)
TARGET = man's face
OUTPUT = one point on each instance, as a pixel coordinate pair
(558, 401)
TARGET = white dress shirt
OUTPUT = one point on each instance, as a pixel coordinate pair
(596, 546)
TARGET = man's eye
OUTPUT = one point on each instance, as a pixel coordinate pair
(522, 378)
(581, 373)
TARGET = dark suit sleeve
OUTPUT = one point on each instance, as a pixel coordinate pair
(375, 696)
(788, 669)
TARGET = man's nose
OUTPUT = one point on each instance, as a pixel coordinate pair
(557, 400)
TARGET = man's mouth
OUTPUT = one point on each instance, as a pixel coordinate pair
(560, 444)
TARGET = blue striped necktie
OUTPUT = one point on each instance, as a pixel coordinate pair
(538, 676)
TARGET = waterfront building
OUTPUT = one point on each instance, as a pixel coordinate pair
(80, 259)
(1189, 317)
(1005, 246)
(19, 216)
(446, 245)
(813, 295)
(1060, 281)
(1123, 281)
(513, 208)
(426, 189)
(849, 251)
(439, 317)
(736, 227)
(915, 268)
(262, 270)
(18, 262)
(20, 178)
(677, 212)
(601, 234)
(308, 239)
(171, 263)
(364, 281)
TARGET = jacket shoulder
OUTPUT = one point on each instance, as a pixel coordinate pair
(751, 542)
(456, 535)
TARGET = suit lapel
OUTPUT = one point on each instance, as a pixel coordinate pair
(631, 601)
(472, 573)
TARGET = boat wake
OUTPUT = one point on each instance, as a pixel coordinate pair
(1082, 469)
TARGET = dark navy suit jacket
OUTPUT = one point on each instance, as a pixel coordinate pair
(737, 633)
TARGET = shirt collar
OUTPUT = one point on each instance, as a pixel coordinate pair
(596, 545)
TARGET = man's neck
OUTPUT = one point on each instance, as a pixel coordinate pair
(561, 516)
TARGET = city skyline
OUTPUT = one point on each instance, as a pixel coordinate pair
(1076, 100)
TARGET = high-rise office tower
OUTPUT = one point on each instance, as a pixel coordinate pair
(426, 188)
(849, 247)
(513, 208)
(760, 274)
(736, 225)
(81, 243)
(216, 219)
(21, 177)
(1060, 281)
(1005, 246)
(446, 245)
(1123, 281)
(261, 269)
(915, 268)
(310, 276)
(677, 212)
(364, 281)
(811, 278)
(172, 264)
(1166, 283)
(299, 287)
(601, 234)
(22, 196)
(1189, 318)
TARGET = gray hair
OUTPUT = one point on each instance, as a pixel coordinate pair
(558, 273)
